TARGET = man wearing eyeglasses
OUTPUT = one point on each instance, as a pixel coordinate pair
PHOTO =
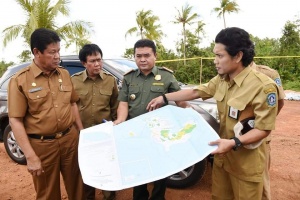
(98, 93)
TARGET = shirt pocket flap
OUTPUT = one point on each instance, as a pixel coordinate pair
(157, 88)
(236, 103)
(133, 90)
(219, 96)
(105, 92)
(37, 95)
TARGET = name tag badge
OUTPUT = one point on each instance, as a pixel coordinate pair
(35, 89)
(233, 113)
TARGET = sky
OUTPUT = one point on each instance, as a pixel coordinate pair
(111, 19)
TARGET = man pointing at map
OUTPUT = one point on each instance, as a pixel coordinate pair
(138, 88)
(241, 93)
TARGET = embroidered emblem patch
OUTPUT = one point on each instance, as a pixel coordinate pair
(271, 99)
(278, 81)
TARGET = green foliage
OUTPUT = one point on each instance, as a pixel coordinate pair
(147, 26)
(41, 13)
(292, 85)
(3, 67)
(226, 6)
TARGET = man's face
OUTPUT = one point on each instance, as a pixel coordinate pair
(145, 59)
(49, 59)
(225, 64)
(93, 64)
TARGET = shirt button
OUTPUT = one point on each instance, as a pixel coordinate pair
(37, 96)
(58, 120)
(56, 106)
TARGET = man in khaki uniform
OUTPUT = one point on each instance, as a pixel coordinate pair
(239, 90)
(273, 74)
(42, 112)
(98, 97)
(138, 88)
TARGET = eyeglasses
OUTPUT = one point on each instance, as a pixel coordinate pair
(99, 60)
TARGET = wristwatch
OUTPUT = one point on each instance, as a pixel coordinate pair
(238, 143)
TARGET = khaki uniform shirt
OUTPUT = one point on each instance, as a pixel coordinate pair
(250, 90)
(138, 90)
(44, 102)
(98, 99)
(273, 74)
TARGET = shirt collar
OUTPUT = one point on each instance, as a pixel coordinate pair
(154, 71)
(37, 71)
(85, 75)
(242, 75)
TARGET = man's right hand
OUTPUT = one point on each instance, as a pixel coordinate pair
(34, 166)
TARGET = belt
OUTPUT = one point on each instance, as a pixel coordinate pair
(50, 137)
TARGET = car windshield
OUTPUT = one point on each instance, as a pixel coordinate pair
(121, 65)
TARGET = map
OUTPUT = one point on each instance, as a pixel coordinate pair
(149, 147)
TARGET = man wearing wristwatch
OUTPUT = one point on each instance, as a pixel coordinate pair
(138, 88)
(240, 93)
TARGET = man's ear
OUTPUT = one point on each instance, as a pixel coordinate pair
(83, 63)
(35, 51)
(239, 56)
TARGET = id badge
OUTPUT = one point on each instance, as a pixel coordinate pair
(233, 113)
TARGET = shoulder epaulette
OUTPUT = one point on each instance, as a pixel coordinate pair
(132, 70)
(61, 67)
(22, 71)
(77, 73)
(167, 69)
(107, 73)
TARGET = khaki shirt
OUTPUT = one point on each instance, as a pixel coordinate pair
(250, 90)
(98, 99)
(273, 74)
(44, 102)
(138, 90)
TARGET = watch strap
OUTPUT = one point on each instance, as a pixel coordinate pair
(237, 143)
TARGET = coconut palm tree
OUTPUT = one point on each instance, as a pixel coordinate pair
(146, 26)
(185, 17)
(200, 29)
(226, 6)
(39, 13)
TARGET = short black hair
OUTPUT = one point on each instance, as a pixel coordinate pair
(145, 43)
(236, 40)
(88, 50)
(41, 38)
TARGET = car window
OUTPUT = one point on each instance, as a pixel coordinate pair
(4, 84)
(122, 65)
(74, 69)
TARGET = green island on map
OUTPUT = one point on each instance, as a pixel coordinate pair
(164, 133)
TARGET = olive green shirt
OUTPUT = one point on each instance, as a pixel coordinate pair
(249, 90)
(98, 99)
(138, 90)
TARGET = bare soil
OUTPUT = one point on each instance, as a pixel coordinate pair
(16, 182)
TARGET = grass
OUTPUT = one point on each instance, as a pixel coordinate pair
(292, 85)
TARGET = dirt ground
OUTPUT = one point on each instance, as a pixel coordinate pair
(16, 182)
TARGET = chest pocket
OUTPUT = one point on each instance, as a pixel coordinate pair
(219, 97)
(38, 101)
(157, 88)
(236, 103)
(65, 91)
(105, 92)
